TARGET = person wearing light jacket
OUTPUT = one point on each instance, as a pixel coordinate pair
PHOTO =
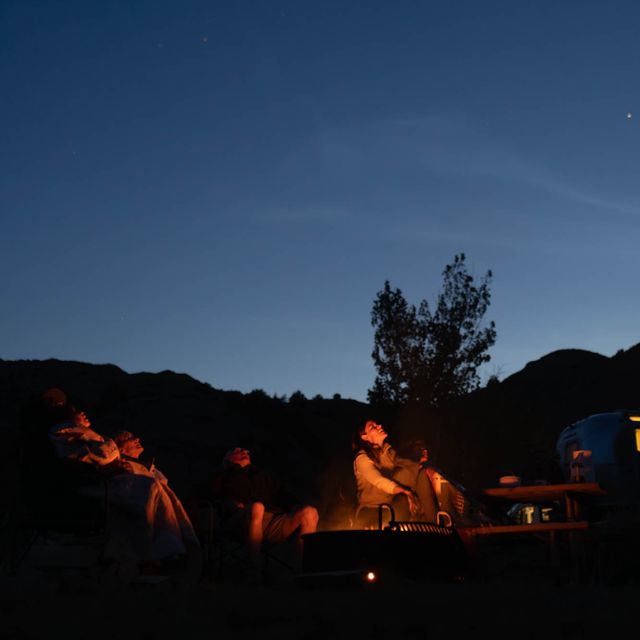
(74, 440)
(383, 477)
(147, 523)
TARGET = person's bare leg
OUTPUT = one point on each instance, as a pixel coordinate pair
(255, 514)
(305, 520)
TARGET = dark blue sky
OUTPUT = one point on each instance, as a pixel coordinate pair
(221, 188)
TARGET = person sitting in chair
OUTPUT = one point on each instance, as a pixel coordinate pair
(464, 508)
(257, 506)
(54, 480)
(130, 447)
(147, 523)
(383, 477)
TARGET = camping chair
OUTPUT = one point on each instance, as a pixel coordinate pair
(47, 538)
(57, 517)
(220, 551)
(456, 500)
(225, 553)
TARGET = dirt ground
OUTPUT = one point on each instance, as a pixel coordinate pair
(496, 610)
(516, 593)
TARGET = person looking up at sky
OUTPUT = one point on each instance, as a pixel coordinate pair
(258, 506)
(383, 477)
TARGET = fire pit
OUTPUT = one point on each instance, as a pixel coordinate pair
(417, 550)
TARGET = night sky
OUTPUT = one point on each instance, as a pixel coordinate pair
(221, 188)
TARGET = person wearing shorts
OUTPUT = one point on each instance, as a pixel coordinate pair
(257, 506)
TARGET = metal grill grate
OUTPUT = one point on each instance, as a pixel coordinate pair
(421, 527)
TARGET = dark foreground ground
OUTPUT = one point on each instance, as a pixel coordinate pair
(518, 594)
(504, 610)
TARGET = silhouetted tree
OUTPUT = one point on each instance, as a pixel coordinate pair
(428, 357)
(399, 342)
(258, 394)
(493, 380)
(297, 397)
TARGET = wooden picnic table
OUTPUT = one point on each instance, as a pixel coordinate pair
(572, 495)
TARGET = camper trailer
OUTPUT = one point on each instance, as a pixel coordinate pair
(604, 448)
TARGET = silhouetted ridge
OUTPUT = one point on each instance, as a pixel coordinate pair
(560, 362)
(188, 425)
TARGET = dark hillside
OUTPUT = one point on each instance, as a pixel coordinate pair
(187, 425)
(512, 426)
(508, 426)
